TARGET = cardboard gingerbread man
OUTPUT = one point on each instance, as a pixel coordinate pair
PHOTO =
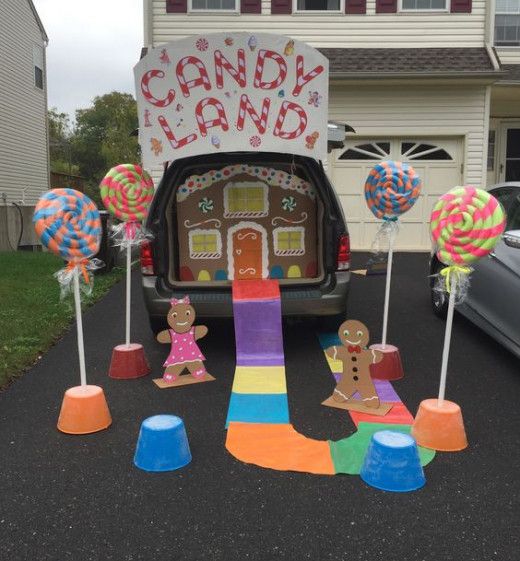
(184, 352)
(356, 359)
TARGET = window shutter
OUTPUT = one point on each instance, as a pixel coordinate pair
(176, 6)
(281, 6)
(355, 6)
(386, 6)
(461, 6)
(251, 6)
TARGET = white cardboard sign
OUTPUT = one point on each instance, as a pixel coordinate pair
(232, 92)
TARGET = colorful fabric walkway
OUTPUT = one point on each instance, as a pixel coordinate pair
(259, 431)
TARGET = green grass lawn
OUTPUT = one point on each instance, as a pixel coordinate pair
(32, 317)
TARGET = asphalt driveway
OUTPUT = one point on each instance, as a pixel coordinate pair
(80, 498)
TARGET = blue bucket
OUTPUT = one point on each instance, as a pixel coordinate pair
(392, 463)
(162, 444)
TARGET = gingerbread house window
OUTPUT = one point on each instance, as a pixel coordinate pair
(245, 199)
(289, 242)
(205, 244)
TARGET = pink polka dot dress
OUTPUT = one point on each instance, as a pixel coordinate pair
(183, 349)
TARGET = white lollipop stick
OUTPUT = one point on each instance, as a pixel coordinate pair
(447, 340)
(128, 290)
(79, 326)
(387, 290)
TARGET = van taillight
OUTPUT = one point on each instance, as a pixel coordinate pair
(343, 253)
(147, 259)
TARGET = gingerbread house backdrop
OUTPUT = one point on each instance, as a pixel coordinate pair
(245, 222)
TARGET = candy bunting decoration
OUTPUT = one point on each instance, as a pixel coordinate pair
(391, 189)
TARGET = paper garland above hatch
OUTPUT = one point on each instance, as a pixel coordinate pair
(277, 178)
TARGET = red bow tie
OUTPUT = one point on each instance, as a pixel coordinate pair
(354, 349)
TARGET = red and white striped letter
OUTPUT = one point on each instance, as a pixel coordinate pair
(260, 122)
(187, 85)
(303, 79)
(220, 121)
(302, 121)
(171, 137)
(259, 71)
(221, 62)
(145, 88)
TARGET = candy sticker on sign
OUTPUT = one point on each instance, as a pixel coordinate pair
(218, 92)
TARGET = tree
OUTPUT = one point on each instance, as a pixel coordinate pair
(102, 138)
(60, 140)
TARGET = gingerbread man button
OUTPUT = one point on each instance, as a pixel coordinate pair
(356, 359)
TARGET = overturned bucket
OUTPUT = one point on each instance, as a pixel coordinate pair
(392, 463)
(162, 444)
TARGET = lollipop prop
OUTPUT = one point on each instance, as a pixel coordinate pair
(466, 224)
(391, 189)
(68, 224)
(127, 191)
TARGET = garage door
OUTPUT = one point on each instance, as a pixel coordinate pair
(437, 161)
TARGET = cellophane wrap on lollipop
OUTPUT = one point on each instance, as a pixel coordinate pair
(127, 191)
(466, 224)
(391, 189)
(68, 224)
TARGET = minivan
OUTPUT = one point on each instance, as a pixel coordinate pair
(246, 215)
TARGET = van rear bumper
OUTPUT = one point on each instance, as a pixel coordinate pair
(330, 298)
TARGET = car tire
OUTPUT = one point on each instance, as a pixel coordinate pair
(439, 300)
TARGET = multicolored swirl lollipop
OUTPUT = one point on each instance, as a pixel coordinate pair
(68, 224)
(466, 224)
(127, 191)
(391, 189)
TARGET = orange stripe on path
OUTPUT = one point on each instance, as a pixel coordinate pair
(280, 447)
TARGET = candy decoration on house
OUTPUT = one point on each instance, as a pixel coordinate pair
(127, 191)
(184, 351)
(68, 224)
(391, 189)
(466, 224)
(355, 378)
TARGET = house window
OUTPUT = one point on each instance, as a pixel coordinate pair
(205, 244)
(368, 151)
(245, 199)
(319, 5)
(289, 242)
(213, 6)
(507, 23)
(491, 150)
(424, 5)
(38, 66)
(418, 151)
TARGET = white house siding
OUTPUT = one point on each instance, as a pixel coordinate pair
(458, 115)
(336, 30)
(23, 107)
(509, 55)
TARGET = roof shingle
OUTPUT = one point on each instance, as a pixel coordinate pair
(394, 62)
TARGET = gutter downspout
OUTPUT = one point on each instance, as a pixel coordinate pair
(147, 23)
(489, 33)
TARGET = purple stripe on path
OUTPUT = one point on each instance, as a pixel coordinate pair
(385, 391)
(258, 332)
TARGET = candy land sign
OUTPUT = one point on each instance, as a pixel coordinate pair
(232, 92)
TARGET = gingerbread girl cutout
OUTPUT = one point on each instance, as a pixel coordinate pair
(356, 360)
(182, 335)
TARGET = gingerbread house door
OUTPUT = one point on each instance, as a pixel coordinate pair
(248, 246)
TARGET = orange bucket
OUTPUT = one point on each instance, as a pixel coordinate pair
(84, 410)
(439, 427)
